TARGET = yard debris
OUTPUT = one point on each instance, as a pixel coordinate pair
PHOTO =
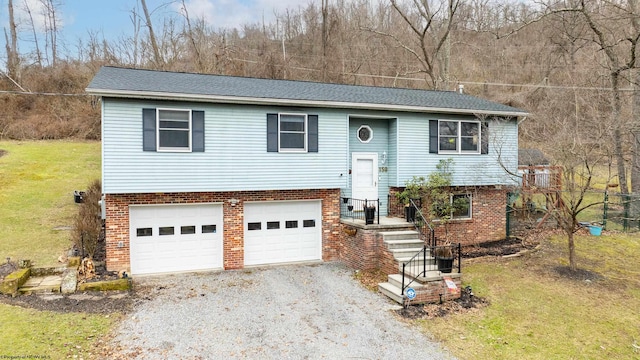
(87, 269)
(465, 304)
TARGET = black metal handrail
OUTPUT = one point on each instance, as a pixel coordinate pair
(367, 210)
(424, 228)
(443, 258)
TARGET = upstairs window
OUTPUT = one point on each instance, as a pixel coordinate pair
(177, 130)
(458, 137)
(174, 130)
(292, 132)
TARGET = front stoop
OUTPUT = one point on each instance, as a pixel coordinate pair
(431, 287)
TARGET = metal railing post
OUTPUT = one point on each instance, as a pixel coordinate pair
(459, 259)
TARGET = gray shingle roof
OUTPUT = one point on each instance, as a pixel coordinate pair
(114, 81)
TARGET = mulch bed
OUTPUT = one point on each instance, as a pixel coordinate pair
(465, 304)
(100, 303)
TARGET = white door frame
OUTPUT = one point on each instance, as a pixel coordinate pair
(367, 192)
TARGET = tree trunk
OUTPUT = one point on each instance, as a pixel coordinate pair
(152, 37)
(635, 132)
(572, 251)
(617, 134)
(13, 60)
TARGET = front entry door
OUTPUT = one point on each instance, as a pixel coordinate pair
(364, 176)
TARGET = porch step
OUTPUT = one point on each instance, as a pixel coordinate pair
(399, 235)
(406, 243)
(405, 252)
(39, 285)
(391, 291)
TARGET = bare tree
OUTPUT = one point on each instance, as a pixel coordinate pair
(430, 22)
(157, 58)
(32, 24)
(13, 58)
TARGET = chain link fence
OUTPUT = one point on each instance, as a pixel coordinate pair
(613, 211)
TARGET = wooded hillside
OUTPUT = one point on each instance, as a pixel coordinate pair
(570, 63)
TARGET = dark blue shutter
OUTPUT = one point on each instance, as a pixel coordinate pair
(272, 132)
(312, 121)
(197, 133)
(484, 138)
(433, 136)
(149, 129)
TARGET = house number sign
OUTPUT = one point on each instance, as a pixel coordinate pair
(382, 169)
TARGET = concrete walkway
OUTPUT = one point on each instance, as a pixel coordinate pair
(42, 284)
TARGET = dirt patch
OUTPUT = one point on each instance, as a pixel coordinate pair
(578, 274)
(93, 303)
(3, 152)
(499, 248)
(465, 304)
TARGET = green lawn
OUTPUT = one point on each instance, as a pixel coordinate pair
(536, 314)
(37, 180)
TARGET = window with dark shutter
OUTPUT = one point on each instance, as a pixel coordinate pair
(287, 132)
(172, 130)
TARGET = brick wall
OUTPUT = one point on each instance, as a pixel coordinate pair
(488, 219)
(117, 220)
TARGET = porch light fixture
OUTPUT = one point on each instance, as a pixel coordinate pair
(384, 158)
(233, 202)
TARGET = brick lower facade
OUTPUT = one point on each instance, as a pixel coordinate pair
(117, 220)
(488, 218)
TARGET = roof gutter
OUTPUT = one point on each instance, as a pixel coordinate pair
(288, 102)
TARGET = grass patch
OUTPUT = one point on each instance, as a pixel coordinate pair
(535, 313)
(37, 180)
(30, 333)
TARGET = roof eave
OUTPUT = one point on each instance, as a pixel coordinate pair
(290, 102)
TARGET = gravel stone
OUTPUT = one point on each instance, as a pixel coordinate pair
(285, 312)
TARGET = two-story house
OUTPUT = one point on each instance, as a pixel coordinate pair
(220, 172)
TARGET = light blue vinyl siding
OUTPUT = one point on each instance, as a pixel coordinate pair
(414, 157)
(235, 156)
(379, 144)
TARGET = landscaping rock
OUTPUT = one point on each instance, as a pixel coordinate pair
(120, 284)
(13, 281)
(69, 282)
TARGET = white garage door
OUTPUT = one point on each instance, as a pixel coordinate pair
(174, 238)
(282, 231)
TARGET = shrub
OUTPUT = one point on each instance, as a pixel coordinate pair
(88, 224)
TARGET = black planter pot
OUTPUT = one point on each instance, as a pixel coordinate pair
(410, 213)
(445, 264)
(369, 214)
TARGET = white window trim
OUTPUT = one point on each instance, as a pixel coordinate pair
(459, 138)
(470, 207)
(306, 134)
(370, 132)
(173, 149)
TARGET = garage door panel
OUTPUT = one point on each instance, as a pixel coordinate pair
(291, 241)
(188, 251)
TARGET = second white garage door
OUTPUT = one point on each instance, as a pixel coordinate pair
(175, 238)
(282, 231)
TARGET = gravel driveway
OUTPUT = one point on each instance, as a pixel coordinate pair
(288, 312)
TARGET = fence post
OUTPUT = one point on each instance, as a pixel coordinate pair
(605, 210)
(625, 221)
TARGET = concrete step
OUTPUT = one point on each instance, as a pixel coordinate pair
(41, 284)
(396, 280)
(403, 253)
(404, 243)
(399, 235)
(391, 291)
